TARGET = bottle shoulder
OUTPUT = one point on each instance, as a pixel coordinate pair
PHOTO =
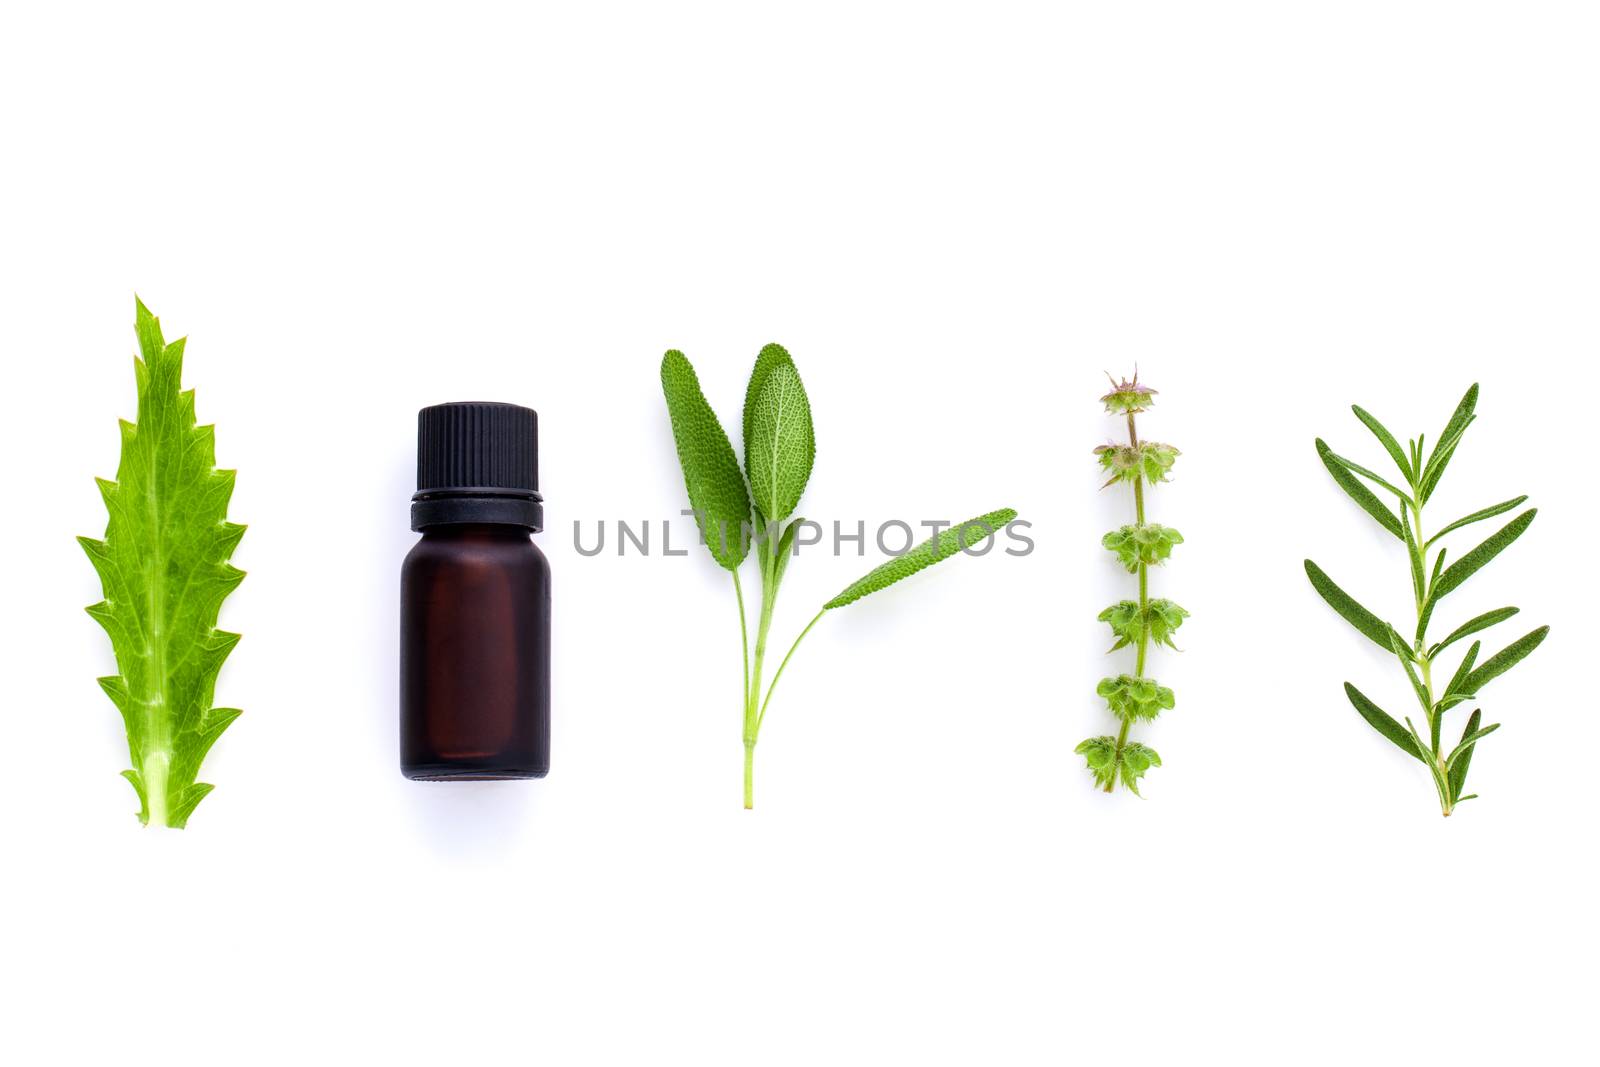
(476, 549)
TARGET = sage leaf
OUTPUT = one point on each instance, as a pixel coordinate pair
(935, 549)
(1375, 628)
(1383, 722)
(1364, 497)
(780, 444)
(785, 550)
(1468, 565)
(710, 469)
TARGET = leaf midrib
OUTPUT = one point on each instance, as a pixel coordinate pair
(777, 434)
(157, 718)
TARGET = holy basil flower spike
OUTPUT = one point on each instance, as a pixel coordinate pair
(1136, 623)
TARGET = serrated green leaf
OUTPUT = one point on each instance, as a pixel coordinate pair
(1468, 565)
(779, 441)
(1366, 498)
(1383, 722)
(1385, 438)
(1472, 626)
(164, 573)
(1504, 660)
(710, 470)
(935, 549)
(1478, 516)
(1375, 628)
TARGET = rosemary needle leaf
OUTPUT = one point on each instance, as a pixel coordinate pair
(1454, 689)
(1366, 498)
(1469, 739)
(1479, 516)
(1472, 626)
(1433, 470)
(1386, 439)
(1383, 722)
(1375, 628)
(1352, 465)
(1459, 765)
(1504, 660)
(1469, 564)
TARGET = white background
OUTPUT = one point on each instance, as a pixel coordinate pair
(955, 218)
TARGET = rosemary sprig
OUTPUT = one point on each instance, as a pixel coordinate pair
(1430, 582)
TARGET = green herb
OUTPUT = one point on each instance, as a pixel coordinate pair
(164, 572)
(1429, 584)
(1138, 547)
(750, 510)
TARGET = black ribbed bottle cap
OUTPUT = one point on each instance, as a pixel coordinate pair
(477, 463)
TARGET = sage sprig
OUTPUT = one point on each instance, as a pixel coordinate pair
(750, 510)
(1136, 623)
(1429, 584)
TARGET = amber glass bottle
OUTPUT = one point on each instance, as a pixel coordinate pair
(475, 600)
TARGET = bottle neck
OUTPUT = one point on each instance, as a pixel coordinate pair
(476, 531)
(444, 508)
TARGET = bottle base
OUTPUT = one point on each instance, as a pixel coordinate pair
(466, 771)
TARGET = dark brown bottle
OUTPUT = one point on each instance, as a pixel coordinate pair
(475, 600)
